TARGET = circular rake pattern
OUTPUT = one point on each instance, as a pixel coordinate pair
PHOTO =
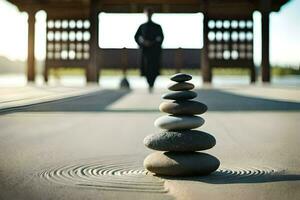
(241, 175)
(128, 174)
(244, 172)
(111, 174)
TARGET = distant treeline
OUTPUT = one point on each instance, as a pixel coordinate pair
(281, 71)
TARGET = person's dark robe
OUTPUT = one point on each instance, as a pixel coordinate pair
(151, 55)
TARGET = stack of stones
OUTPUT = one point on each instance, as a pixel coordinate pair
(178, 144)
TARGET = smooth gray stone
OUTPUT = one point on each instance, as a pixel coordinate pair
(180, 95)
(171, 122)
(181, 163)
(189, 140)
(183, 107)
(181, 86)
(181, 77)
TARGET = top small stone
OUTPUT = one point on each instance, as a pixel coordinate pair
(180, 77)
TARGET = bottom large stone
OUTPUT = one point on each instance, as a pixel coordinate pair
(181, 164)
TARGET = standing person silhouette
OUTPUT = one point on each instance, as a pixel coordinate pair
(149, 37)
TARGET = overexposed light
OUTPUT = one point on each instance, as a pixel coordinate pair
(13, 34)
(180, 30)
(257, 37)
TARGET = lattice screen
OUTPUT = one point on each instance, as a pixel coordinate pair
(230, 39)
(68, 39)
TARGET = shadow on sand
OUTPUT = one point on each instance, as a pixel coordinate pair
(227, 176)
(216, 100)
(92, 102)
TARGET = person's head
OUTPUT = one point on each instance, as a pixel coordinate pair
(149, 12)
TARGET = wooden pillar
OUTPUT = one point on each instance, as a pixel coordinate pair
(92, 72)
(124, 61)
(265, 36)
(30, 54)
(252, 68)
(206, 70)
(178, 59)
(252, 74)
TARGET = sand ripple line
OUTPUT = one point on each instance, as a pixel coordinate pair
(241, 175)
(245, 172)
(112, 174)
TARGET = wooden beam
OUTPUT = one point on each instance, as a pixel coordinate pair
(92, 73)
(178, 2)
(30, 54)
(180, 6)
(133, 8)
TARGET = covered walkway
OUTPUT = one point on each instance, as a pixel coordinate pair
(227, 33)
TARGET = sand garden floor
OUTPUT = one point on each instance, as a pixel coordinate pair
(89, 145)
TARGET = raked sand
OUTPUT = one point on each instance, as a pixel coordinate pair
(90, 147)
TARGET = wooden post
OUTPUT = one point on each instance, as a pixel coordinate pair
(30, 55)
(265, 51)
(124, 61)
(124, 84)
(252, 74)
(206, 70)
(178, 59)
(92, 73)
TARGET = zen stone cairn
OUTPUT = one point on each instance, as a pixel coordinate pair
(178, 144)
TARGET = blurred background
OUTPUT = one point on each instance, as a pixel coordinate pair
(61, 43)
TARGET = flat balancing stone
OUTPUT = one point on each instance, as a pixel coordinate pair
(180, 77)
(181, 86)
(188, 140)
(180, 95)
(172, 122)
(183, 107)
(181, 163)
